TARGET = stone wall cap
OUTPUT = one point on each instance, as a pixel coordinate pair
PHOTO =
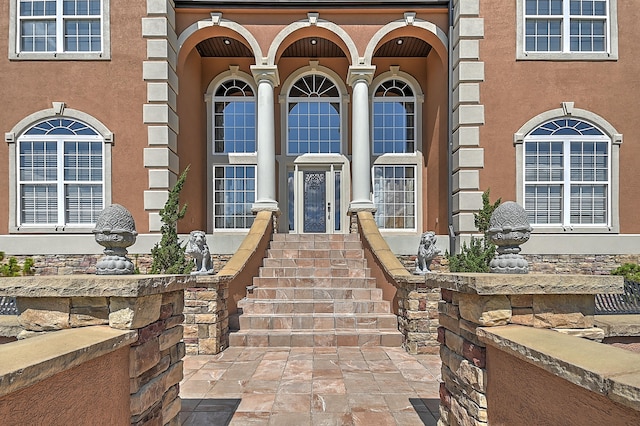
(603, 369)
(495, 284)
(9, 326)
(27, 362)
(93, 285)
(619, 325)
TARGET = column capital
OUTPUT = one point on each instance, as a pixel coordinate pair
(266, 72)
(362, 72)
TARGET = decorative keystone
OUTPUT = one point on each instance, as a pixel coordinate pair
(508, 229)
(115, 230)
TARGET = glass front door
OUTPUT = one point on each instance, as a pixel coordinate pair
(315, 200)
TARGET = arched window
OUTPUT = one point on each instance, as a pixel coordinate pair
(61, 174)
(394, 108)
(234, 136)
(313, 116)
(567, 174)
(234, 117)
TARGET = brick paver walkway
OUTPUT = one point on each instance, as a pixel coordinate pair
(311, 386)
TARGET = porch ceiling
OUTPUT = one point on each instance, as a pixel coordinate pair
(314, 47)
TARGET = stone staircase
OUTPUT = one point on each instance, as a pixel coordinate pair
(315, 290)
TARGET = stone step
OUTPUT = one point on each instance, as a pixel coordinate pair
(315, 245)
(290, 293)
(314, 282)
(311, 338)
(315, 263)
(327, 306)
(315, 237)
(299, 322)
(306, 272)
(294, 253)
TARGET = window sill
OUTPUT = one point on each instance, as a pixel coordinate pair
(538, 229)
(566, 56)
(59, 56)
(50, 230)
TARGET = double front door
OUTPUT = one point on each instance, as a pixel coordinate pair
(315, 199)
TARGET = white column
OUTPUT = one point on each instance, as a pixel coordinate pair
(360, 79)
(267, 78)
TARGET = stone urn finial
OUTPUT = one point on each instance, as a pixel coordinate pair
(115, 230)
(508, 228)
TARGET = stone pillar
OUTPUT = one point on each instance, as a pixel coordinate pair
(564, 303)
(360, 78)
(418, 315)
(151, 305)
(206, 328)
(267, 78)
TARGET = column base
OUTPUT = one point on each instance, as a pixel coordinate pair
(269, 206)
(362, 206)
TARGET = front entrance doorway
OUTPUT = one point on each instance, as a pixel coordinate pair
(315, 199)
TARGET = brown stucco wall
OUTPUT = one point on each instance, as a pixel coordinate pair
(519, 393)
(96, 392)
(112, 91)
(516, 91)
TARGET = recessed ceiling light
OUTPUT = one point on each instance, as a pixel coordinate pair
(399, 41)
(314, 41)
(227, 41)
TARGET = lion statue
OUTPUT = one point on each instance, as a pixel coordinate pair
(427, 251)
(197, 249)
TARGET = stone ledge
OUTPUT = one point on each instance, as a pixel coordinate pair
(510, 284)
(603, 369)
(27, 362)
(619, 325)
(9, 326)
(93, 285)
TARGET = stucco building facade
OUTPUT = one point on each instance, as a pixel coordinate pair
(410, 109)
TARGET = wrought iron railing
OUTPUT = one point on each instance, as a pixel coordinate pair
(626, 303)
(8, 306)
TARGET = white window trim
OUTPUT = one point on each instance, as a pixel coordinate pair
(11, 137)
(407, 159)
(612, 40)
(14, 39)
(215, 159)
(568, 112)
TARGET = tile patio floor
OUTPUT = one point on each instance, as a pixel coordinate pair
(373, 386)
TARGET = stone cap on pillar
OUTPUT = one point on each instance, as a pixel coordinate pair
(360, 72)
(266, 72)
(495, 284)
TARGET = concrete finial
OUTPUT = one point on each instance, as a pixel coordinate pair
(115, 230)
(508, 229)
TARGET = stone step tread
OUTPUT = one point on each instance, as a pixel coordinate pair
(318, 322)
(307, 272)
(309, 338)
(314, 282)
(315, 237)
(315, 245)
(270, 262)
(315, 253)
(262, 306)
(303, 293)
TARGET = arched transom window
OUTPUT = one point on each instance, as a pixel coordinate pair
(234, 118)
(394, 107)
(60, 174)
(567, 174)
(313, 116)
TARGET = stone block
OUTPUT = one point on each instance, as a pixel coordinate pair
(44, 314)
(150, 332)
(487, 311)
(170, 338)
(147, 396)
(563, 311)
(136, 382)
(449, 323)
(171, 410)
(593, 333)
(454, 342)
(86, 316)
(89, 302)
(522, 316)
(521, 300)
(474, 353)
(173, 321)
(176, 299)
(134, 312)
(143, 357)
(174, 374)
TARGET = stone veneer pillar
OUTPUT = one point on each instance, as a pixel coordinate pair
(266, 78)
(360, 78)
(564, 303)
(206, 316)
(151, 305)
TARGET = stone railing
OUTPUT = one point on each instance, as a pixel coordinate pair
(474, 303)
(214, 299)
(415, 299)
(132, 324)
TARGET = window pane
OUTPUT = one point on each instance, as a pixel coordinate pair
(83, 203)
(38, 204)
(38, 36)
(394, 196)
(234, 194)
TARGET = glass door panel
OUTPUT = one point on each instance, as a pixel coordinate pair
(315, 201)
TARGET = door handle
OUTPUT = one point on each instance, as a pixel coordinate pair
(329, 210)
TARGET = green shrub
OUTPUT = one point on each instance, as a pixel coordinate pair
(169, 255)
(12, 269)
(630, 272)
(476, 256)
